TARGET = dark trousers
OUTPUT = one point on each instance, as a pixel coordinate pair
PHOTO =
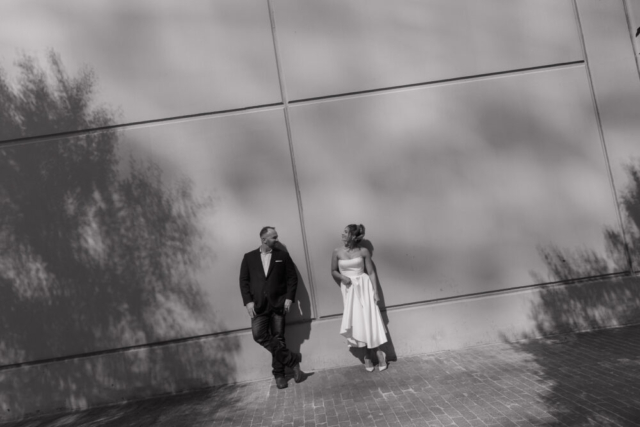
(268, 331)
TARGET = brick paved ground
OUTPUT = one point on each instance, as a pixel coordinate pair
(590, 379)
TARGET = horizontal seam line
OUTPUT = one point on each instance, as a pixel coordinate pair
(296, 101)
(122, 349)
(506, 291)
(140, 346)
(302, 321)
(435, 82)
(142, 122)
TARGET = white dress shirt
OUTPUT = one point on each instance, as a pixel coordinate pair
(266, 260)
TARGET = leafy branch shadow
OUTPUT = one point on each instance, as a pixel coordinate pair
(577, 302)
(97, 251)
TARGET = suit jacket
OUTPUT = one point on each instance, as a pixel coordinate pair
(279, 284)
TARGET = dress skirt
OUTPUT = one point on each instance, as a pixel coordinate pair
(362, 323)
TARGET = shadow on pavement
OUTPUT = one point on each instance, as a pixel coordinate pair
(188, 409)
(587, 385)
(583, 387)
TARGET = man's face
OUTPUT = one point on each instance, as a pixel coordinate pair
(271, 238)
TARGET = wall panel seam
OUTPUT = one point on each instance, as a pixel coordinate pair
(122, 126)
(460, 79)
(283, 92)
(254, 108)
(603, 143)
(392, 308)
(632, 35)
(498, 292)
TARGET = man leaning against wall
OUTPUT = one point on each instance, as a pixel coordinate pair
(268, 282)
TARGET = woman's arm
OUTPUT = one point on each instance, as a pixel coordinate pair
(368, 265)
(335, 271)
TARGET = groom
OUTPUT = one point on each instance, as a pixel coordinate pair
(268, 282)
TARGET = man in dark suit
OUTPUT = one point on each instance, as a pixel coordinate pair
(268, 282)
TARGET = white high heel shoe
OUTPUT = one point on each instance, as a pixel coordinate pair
(368, 364)
(382, 360)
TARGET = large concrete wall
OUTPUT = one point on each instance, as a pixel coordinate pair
(489, 148)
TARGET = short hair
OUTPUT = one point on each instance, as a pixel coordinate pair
(357, 231)
(265, 230)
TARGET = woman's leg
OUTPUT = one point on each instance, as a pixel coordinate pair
(382, 359)
(368, 362)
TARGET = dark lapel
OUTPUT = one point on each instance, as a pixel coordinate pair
(257, 260)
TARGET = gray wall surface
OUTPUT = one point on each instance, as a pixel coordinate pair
(490, 148)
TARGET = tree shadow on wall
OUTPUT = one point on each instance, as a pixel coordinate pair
(583, 305)
(582, 393)
(96, 252)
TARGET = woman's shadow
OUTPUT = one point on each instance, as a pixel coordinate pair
(387, 347)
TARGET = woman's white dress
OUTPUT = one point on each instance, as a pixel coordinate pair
(362, 324)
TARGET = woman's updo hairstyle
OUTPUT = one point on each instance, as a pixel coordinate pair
(356, 232)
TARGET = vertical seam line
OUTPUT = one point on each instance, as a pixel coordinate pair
(603, 144)
(285, 102)
(636, 56)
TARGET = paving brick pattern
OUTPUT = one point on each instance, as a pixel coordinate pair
(589, 379)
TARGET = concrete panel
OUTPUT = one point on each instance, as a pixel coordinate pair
(610, 51)
(116, 239)
(331, 46)
(152, 59)
(463, 188)
(241, 165)
(455, 324)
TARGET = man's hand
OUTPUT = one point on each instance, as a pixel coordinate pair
(250, 309)
(287, 305)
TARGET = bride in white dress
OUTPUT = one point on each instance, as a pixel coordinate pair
(362, 324)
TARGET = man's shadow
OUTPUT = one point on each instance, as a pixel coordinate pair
(388, 347)
(298, 320)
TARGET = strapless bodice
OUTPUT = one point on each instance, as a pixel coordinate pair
(351, 267)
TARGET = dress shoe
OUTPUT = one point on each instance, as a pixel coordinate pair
(298, 375)
(368, 364)
(382, 360)
(281, 382)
